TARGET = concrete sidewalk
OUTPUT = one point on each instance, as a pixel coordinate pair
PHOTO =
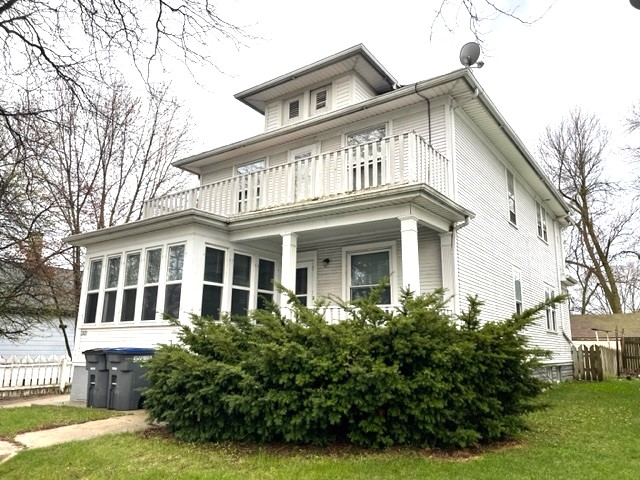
(134, 421)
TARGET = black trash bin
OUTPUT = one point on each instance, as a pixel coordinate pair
(126, 377)
(97, 378)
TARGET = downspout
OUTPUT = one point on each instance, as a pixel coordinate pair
(415, 86)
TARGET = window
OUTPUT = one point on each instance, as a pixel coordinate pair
(541, 217)
(365, 154)
(111, 289)
(266, 275)
(366, 270)
(511, 189)
(93, 289)
(173, 287)
(152, 278)
(552, 324)
(249, 187)
(213, 282)
(241, 284)
(129, 294)
(320, 100)
(517, 287)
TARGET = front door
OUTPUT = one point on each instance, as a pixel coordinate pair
(305, 284)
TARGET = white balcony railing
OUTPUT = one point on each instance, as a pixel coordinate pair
(400, 159)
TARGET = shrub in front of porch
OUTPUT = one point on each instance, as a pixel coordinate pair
(414, 377)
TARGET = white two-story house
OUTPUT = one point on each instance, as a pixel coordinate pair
(355, 178)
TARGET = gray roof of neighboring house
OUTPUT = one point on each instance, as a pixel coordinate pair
(582, 325)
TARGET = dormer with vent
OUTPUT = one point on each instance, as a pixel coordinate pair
(331, 84)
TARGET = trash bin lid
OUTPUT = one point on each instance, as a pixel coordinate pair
(94, 351)
(129, 351)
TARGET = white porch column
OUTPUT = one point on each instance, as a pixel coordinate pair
(449, 282)
(289, 255)
(410, 257)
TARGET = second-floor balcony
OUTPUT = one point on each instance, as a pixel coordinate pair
(392, 161)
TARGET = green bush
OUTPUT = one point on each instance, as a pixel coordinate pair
(414, 377)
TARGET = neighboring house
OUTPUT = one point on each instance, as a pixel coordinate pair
(45, 339)
(602, 329)
(355, 178)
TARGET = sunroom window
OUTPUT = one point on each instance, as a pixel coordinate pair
(366, 270)
(213, 282)
(111, 289)
(93, 290)
(173, 288)
(152, 278)
(129, 294)
(240, 293)
(266, 275)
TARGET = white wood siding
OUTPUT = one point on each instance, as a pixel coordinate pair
(342, 90)
(272, 116)
(430, 260)
(417, 120)
(361, 90)
(489, 248)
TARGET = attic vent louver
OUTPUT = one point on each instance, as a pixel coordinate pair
(321, 99)
(294, 109)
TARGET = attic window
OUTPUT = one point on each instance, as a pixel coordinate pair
(294, 109)
(321, 99)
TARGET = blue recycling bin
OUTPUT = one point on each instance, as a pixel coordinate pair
(126, 376)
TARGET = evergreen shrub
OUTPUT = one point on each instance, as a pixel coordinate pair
(416, 376)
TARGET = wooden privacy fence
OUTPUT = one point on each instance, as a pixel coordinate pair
(25, 375)
(594, 363)
(630, 354)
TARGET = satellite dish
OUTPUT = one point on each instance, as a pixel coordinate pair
(470, 53)
(635, 4)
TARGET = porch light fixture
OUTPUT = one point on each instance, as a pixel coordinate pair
(326, 262)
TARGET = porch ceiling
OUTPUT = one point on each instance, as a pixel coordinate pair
(379, 209)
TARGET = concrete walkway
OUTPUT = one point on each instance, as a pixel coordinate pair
(134, 421)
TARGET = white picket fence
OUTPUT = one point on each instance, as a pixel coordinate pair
(27, 375)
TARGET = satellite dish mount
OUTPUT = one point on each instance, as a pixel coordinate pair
(469, 54)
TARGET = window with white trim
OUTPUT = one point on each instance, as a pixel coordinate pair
(130, 291)
(173, 284)
(541, 220)
(511, 197)
(249, 187)
(214, 262)
(93, 291)
(366, 270)
(517, 290)
(111, 289)
(365, 156)
(151, 281)
(320, 100)
(241, 284)
(550, 310)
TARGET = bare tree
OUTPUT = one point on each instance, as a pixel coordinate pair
(480, 14)
(573, 154)
(76, 42)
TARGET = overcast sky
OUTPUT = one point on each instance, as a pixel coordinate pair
(581, 53)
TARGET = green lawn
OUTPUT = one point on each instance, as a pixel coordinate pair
(40, 417)
(590, 430)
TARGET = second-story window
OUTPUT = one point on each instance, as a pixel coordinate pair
(541, 218)
(249, 186)
(511, 195)
(366, 156)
